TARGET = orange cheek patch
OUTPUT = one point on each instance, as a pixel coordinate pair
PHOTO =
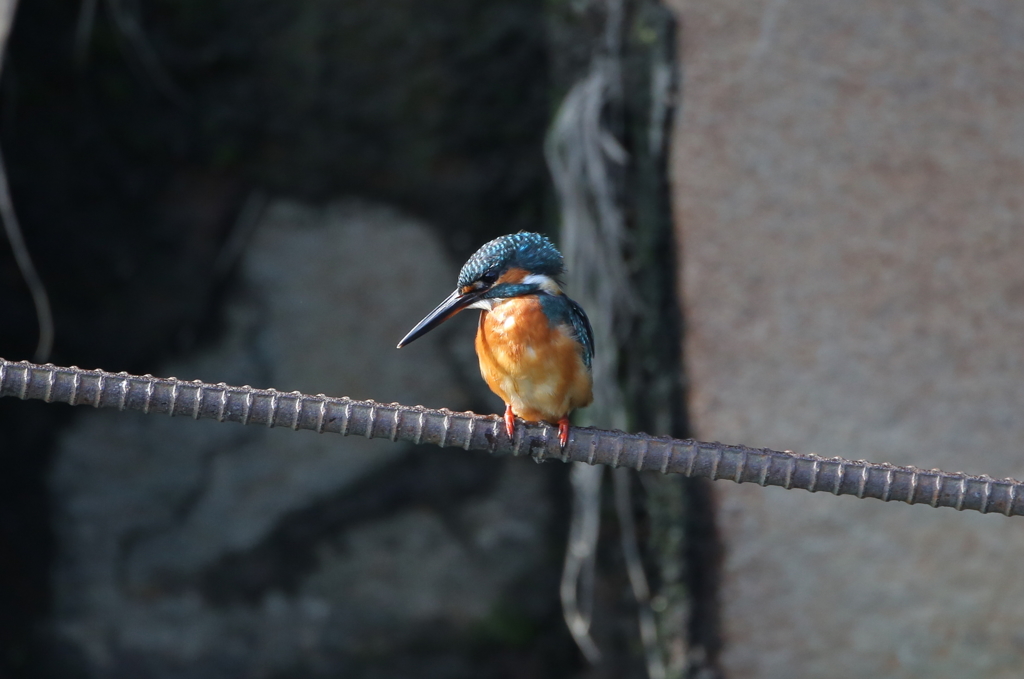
(513, 276)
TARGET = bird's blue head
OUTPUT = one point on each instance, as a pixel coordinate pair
(513, 265)
(530, 252)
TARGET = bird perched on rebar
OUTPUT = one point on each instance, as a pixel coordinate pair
(535, 345)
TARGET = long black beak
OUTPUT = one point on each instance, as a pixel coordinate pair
(455, 303)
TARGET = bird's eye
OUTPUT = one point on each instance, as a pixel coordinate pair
(488, 278)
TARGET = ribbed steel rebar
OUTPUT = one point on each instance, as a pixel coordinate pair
(415, 424)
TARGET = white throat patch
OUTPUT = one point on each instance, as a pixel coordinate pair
(545, 283)
(485, 304)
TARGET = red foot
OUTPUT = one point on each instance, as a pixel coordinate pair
(510, 421)
(563, 431)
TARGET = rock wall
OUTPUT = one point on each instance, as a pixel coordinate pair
(847, 183)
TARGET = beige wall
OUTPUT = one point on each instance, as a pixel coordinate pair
(849, 189)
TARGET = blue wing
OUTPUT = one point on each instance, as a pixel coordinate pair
(584, 333)
(561, 310)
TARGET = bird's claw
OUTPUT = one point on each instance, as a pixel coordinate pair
(510, 421)
(563, 432)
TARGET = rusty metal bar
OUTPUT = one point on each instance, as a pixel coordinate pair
(415, 424)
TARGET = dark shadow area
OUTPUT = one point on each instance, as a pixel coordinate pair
(26, 541)
(129, 181)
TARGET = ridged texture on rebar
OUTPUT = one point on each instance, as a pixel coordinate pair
(415, 424)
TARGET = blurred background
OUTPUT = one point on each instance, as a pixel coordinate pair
(815, 217)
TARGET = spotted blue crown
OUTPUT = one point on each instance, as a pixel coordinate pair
(529, 251)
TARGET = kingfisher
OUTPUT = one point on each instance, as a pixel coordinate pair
(535, 345)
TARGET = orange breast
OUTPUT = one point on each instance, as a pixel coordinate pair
(534, 367)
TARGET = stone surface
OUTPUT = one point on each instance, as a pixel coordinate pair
(192, 549)
(848, 183)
